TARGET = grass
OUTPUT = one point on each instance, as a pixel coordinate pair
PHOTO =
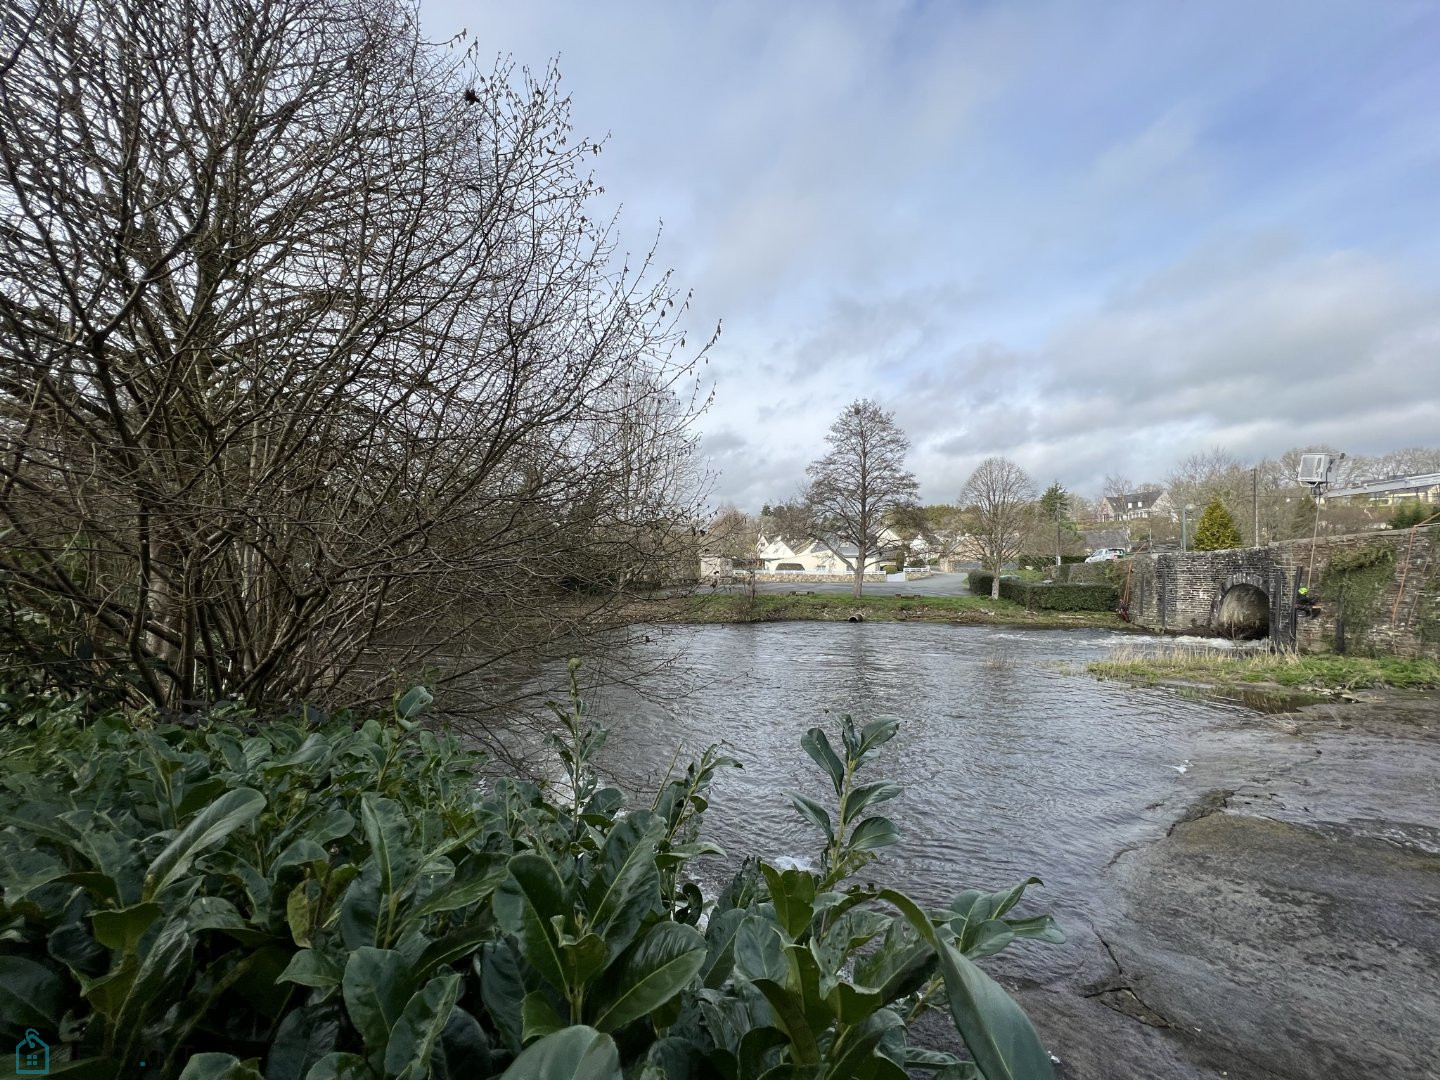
(1320, 671)
(774, 607)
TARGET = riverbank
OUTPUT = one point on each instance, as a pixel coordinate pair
(719, 607)
(1229, 671)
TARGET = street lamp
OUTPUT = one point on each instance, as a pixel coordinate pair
(1185, 511)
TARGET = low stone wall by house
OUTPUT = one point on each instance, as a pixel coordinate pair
(1392, 608)
(803, 577)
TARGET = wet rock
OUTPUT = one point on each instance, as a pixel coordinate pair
(1301, 955)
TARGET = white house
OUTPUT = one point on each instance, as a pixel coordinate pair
(1136, 506)
(811, 555)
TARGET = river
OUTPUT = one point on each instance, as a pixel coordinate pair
(1012, 759)
(1244, 895)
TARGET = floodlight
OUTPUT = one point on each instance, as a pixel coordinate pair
(1315, 468)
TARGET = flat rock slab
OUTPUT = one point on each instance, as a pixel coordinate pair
(1282, 949)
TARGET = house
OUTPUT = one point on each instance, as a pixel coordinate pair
(1421, 487)
(1136, 506)
(811, 555)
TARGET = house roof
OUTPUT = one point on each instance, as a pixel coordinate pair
(1136, 500)
(1419, 481)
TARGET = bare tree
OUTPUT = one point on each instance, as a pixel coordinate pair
(1002, 498)
(789, 520)
(315, 366)
(1117, 484)
(858, 483)
(732, 534)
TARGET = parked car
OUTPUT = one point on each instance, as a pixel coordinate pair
(1106, 554)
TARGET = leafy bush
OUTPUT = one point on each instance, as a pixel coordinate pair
(981, 582)
(335, 902)
(789, 566)
(1060, 596)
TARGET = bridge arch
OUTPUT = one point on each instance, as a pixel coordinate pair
(1242, 607)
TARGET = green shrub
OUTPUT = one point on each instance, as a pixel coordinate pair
(981, 582)
(323, 900)
(789, 566)
(1060, 596)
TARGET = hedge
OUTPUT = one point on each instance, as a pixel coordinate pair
(980, 582)
(1060, 597)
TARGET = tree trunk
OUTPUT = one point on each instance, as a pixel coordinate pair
(995, 584)
(859, 576)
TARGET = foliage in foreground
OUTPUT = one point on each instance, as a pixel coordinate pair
(331, 902)
(1320, 671)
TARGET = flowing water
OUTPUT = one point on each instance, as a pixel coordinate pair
(1013, 760)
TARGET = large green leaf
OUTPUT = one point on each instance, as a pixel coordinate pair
(872, 833)
(310, 968)
(789, 1009)
(413, 703)
(303, 1038)
(122, 928)
(867, 795)
(1041, 928)
(626, 886)
(813, 812)
(720, 946)
(539, 1016)
(524, 904)
(792, 892)
(31, 995)
(878, 732)
(413, 1038)
(996, 1030)
(340, 1066)
(650, 973)
(387, 830)
(161, 968)
(218, 1067)
(502, 989)
(464, 1050)
(576, 1053)
(814, 743)
(376, 988)
(206, 829)
(760, 949)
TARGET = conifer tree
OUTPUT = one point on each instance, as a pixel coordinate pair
(1217, 529)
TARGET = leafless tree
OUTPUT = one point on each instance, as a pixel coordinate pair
(858, 483)
(1118, 484)
(315, 366)
(732, 534)
(789, 520)
(1002, 499)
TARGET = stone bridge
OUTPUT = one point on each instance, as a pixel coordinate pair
(1375, 592)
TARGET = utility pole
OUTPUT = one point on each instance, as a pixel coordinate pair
(1255, 492)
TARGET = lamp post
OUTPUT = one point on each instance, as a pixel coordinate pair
(1184, 526)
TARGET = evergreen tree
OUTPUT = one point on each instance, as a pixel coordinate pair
(1217, 529)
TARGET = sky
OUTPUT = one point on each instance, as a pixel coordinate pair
(1090, 238)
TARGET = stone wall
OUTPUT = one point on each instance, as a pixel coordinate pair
(798, 577)
(1399, 612)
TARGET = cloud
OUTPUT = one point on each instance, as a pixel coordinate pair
(1090, 241)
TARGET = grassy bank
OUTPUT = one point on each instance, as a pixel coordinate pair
(1319, 672)
(774, 607)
